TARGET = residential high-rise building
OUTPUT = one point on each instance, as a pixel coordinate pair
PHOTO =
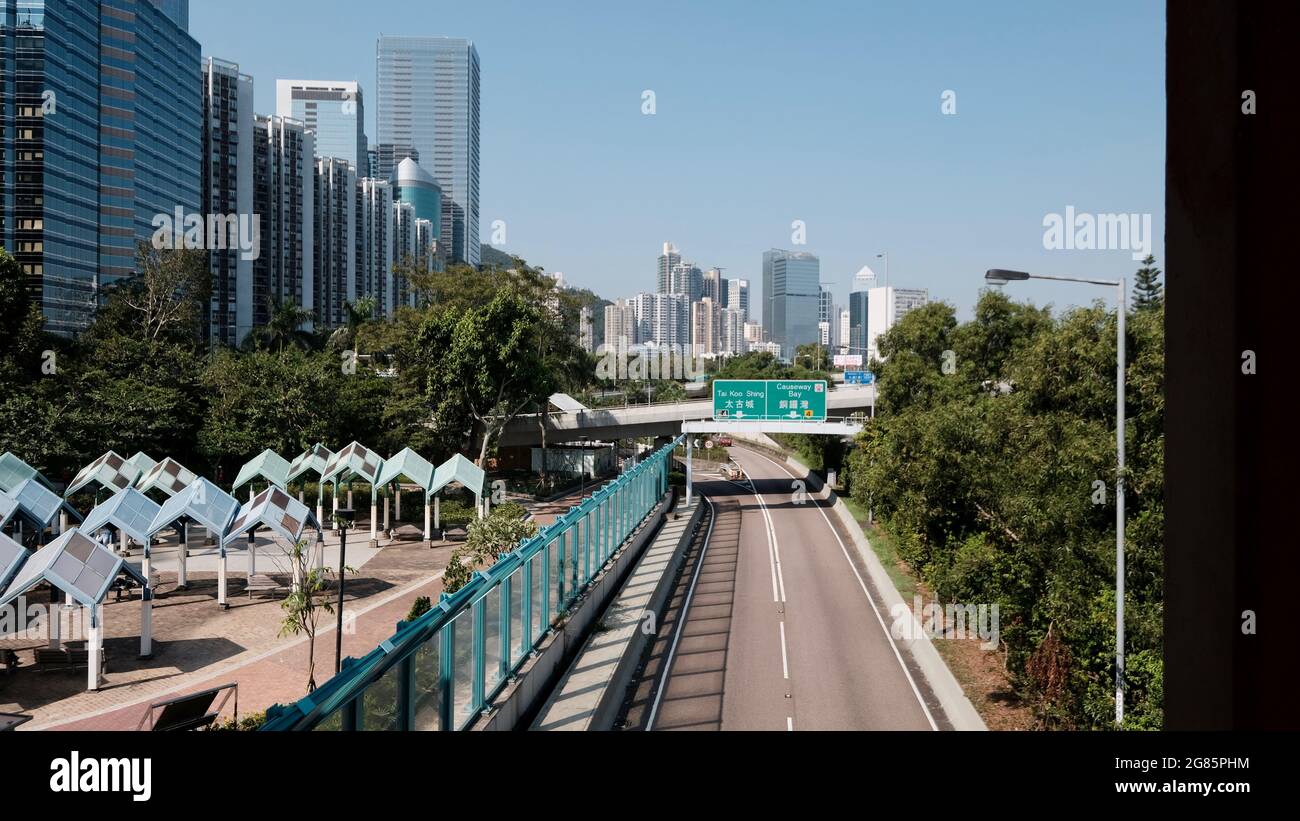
(586, 329)
(334, 239)
(686, 278)
(413, 249)
(334, 109)
(620, 324)
(428, 98)
(714, 286)
(374, 242)
(663, 319)
(886, 306)
(668, 260)
(738, 296)
(732, 339)
(284, 201)
(792, 298)
(228, 138)
(753, 332)
(706, 326)
(100, 132)
(842, 339)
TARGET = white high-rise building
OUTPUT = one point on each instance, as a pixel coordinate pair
(374, 242)
(620, 324)
(663, 319)
(228, 142)
(885, 307)
(706, 326)
(668, 260)
(284, 200)
(586, 329)
(843, 341)
(334, 263)
(733, 332)
(738, 296)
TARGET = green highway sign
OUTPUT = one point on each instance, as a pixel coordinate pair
(770, 400)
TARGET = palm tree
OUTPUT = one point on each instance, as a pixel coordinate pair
(284, 328)
(358, 312)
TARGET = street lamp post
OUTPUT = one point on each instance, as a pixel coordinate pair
(999, 276)
(343, 519)
(582, 467)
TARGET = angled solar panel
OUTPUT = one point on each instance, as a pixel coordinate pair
(169, 476)
(410, 464)
(314, 459)
(275, 509)
(356, 459)
(128, 509)
(203, 502)
(269, 465)
(39, 503)
(8, 508)
(74, 564)
(110, 471)
(142, 462)
(12, 556)
(14, 471)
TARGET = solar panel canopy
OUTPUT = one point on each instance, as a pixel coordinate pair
(39, 503)
(12, 556)
(203, 502)
(458, 469)
(128, 509)
(410, 464)
(14, 471)
(169, 476)
(74, 564)
(275, 509)
(110, 471)
(315, 459)
(269, 465)
(354, 460)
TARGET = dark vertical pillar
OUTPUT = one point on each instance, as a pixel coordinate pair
(1230, 457)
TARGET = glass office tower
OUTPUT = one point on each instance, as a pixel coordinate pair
(792, 297)
(335, 110)
(100, 113)
(428, 98)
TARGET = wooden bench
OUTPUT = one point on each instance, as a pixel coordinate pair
(260, 583)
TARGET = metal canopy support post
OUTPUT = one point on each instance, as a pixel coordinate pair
(688, 469)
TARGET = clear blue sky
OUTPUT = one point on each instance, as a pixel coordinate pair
(826, 112)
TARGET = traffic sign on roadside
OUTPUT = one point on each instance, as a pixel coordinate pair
(859, 377)
(783, 400)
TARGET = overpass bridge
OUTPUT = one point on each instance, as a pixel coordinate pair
(663, 419)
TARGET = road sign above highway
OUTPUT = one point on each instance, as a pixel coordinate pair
(770, 399)
(859, 378)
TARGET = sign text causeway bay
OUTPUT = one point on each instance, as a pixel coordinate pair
(770, 399)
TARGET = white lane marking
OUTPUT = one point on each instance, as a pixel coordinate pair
(681, 619)
(773, 544)
(915, 691)
(789, 723)
(785, 659)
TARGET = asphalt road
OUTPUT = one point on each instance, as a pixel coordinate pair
(779, 631)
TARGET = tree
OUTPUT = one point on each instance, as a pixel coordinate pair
(169, 296)
(485, 363)
(284, 328)
(487, 539)
(305, 602)
(1147, 290)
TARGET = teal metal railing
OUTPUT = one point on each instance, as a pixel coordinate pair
(439, 671)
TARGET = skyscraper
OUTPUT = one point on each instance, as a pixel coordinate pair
(100, 113)
(738, 297)
(668, 260)
(334, 263)
(334, 109)
(284, 200)
(706, 326)
(374, 241)
(228, 143)
(663, 319)
(428, 98)
(792, 298)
